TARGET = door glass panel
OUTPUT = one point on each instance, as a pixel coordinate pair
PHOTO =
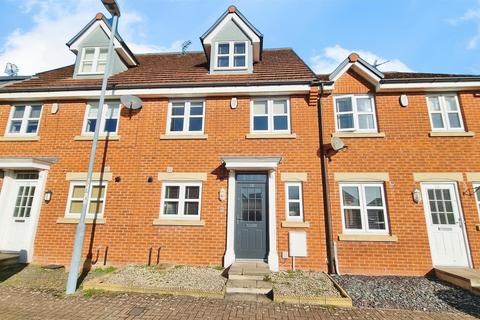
(251, 204)
(441, 206)
(24, 201)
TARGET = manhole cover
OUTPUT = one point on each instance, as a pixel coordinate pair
(136, 311)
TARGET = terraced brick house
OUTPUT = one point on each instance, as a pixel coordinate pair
(225, 160)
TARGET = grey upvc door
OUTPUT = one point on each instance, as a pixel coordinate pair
(250, 216)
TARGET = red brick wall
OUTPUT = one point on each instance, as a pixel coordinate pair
(407, 148)
(133, 203)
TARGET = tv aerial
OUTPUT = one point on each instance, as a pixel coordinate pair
(11, 69)
(185, 46)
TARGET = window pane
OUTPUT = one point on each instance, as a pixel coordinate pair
(223, 62)
(192, 192)
(15, 126)
(89, 54)
(239, 47)
(365, 121)
(196, 109)
(373, 196)
(434, 104)
(112, 111)
(170, 207)
(280, 123)
(280, 107)
(76, 207)
(344, 105)
(176, 124)
(98, 192)
(239, 61)
(477, 192)
(353, 219)
(294, 209)
(345, 121)
(111, 125)
(18, 112)
(172, 192)
(260, 107)
(364, 105)
(293, 192)
(191, 208)
(91, 123)
(195, 124)
(223, 48)
(92, 111)
(260, 123)
(86, 67)
(103, 54)
(451, 103)
(178, 110)
(101, 66)
(95, 207)
(35, 111)
(454, 120)
(437, 120)
(376, 219)
(350, 196)
(78, 192)
(32, 126)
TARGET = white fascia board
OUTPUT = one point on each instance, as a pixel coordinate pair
(360, 69)
(162, 92)
(232, 16)
(251, 163)
(24, 163)
(428, 86)
(118, 46)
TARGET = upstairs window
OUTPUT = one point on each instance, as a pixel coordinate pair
(270, 115)
(231, 55)
(445, 114)
(108, 122)
(93, 61)
(355, 113)
(24, 120)
(186, 117)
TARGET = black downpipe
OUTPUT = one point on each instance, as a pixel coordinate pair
(325, 188)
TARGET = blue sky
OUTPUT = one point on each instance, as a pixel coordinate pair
(419, 35)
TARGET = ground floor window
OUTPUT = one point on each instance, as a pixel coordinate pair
(363, 208)
(181, 200)
(294, 201)
(96, 199)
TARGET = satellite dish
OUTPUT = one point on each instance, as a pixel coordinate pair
(337, 144)
(131, 102)
(404, 100)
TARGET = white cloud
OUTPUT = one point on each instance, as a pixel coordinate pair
(54, 22)
(471, 15)
(331, 57)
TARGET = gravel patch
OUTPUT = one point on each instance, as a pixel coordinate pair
(179, 277)
(413, 293)
(303, 283)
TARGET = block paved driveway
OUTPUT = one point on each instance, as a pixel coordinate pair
(21, 303)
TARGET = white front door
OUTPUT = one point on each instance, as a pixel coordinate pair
(446, 233)
(18, 220)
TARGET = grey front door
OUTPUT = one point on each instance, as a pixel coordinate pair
(250, 219)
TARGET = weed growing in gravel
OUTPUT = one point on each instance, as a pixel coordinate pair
(105, 270)
(218, 268)
(91, 293)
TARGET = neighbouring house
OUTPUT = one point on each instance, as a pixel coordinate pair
(224, 162)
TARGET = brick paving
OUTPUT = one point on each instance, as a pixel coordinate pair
(22, 303)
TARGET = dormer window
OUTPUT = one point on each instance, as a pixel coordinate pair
(231, 55)
(93, 61)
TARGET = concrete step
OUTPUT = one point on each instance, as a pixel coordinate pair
(248, 297)
(249, 286)
(246, 277)
(8, 259)
(249, 270)
(476, 290)
(466, 278)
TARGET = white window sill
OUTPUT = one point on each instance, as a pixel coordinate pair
(76, 220)
(20, 138)
(178, 222)
(451, 134)
(368, 237)
(295, 224)
(183, 136)
(359, 134)
(271, 136)
(101, 138)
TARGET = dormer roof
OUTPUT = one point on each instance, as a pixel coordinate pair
(100, 21)
(234, 15)
(360, 66)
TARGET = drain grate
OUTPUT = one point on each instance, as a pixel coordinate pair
(136, 311)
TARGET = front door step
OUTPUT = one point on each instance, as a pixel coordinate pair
(8, 259)
(248, 281)
(249, 286)
(466, 278)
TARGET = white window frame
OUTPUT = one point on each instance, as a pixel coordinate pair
(25, 119)
(476, 186)
(270, 115)
(186, 117)
(102, 120)
(181, 200)
(444, 112)
(288, 201)
(96, 183)
(355, 113)
(363, 208)
(94, 61)
(231, 54)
